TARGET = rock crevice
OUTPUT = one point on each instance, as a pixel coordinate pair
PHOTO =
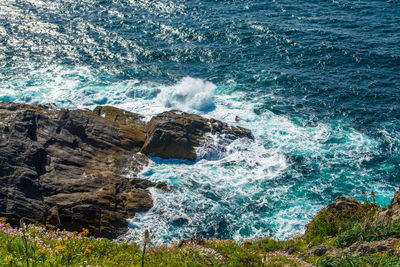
(66, 168)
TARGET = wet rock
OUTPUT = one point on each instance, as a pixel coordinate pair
(144, 184)
(68, 168)
(162, 186)
(176, 134)
(64, 168)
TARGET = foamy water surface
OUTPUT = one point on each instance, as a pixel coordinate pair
(317, 83)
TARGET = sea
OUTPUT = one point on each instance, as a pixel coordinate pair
(317, 82)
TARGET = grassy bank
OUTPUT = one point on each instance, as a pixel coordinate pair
(328, 241)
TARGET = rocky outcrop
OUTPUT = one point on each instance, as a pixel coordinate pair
(68, 168)
(176, 134)
(362, 247)
(63, 168)
(319, 251)
(131, 127)
(343, 207)
(385, 215)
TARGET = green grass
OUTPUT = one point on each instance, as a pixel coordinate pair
(278, 261)
(361, 261)
(34, 245)
(330, 223)
(368, 234)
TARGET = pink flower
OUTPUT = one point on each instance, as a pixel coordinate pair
(216, 255)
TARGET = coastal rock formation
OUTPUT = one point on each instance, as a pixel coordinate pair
(176, 134)
(389, 214)
(68, 168)
(63, 167)
(362, 247)
(319, 250)
(343, 207)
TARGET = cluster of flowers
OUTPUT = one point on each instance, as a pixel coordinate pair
(37, 234)
(34, 230)
(199, 248)
(282, 254)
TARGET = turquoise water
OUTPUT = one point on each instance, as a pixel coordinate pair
(318, 83)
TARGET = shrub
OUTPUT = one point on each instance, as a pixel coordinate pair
(332, 221)
(361, 261)
(369, 234)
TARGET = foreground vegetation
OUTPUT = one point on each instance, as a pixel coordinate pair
(330, 231)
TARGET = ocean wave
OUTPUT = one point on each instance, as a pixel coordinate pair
(240, 189)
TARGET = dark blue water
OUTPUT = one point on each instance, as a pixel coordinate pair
(318, 82)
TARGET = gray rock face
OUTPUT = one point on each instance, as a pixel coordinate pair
(319, 250)
(389, 214)
(177, 134)
(65, 168)
(361, 247)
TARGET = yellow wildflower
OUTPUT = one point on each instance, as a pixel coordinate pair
(41, 251)
(60, 249)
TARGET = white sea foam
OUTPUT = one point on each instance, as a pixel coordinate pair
(241, 189)
(252, 189)
(189, 94)
(80, 88)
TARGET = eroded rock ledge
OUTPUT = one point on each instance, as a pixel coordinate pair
(67, 168)
(176, 134)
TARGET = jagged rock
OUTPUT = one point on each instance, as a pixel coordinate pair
(64, 167)
(143, 184)
(319, 251)
(395, 204)
(361, 247)
(390, 214)
(131, 127)
(176, 134)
